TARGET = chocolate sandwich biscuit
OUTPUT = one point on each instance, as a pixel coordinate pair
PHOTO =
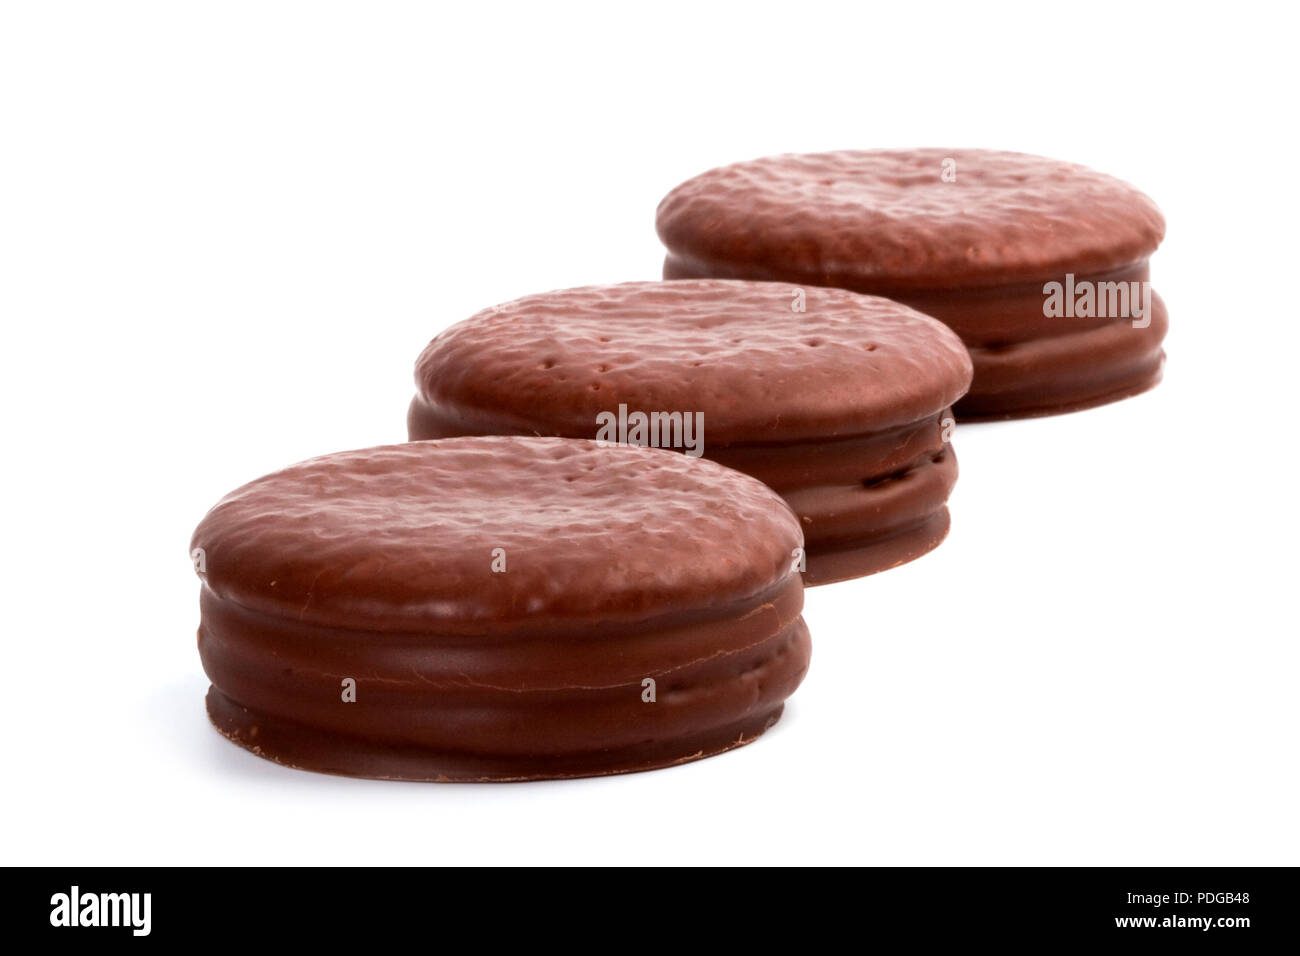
(838, 401)
(1040, 266)
(499, 609)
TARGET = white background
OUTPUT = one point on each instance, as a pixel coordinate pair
(226, 231)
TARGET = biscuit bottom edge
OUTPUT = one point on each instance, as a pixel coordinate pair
(300, 747)
(988, 408)
(829, 566)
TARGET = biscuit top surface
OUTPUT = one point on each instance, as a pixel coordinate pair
(762, 362)
(883, 220)
(404, 537)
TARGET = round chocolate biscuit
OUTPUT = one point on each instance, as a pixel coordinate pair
(499, 609)
(975, 238)
(838, 401)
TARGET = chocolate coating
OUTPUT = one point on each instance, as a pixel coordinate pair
(621, 564)
(822, 404)
(737, 351)
(974, 252)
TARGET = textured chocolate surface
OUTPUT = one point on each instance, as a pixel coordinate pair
(736, 351)
(840, 407)
(884, 220)
(974, 252)
(401, 536)
(621, 564)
